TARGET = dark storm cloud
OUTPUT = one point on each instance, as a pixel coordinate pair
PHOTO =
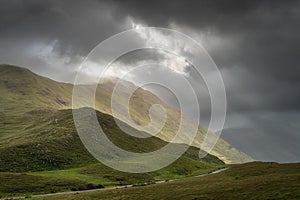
(81, 25)
(263, 51)
(263, 35)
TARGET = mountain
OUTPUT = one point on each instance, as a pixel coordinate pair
(41, 152)
(23, 92)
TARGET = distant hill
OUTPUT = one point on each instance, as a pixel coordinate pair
(25, 95)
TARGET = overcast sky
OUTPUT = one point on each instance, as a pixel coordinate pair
(255, 44)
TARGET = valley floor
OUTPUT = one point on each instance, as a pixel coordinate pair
(246, 181)
(91, 177)
(111, 188)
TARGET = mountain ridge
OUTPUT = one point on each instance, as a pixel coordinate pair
(33, 91)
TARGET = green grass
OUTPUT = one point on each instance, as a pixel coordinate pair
(251, 181)
(18, 184)
(98, 173)
(74, 174)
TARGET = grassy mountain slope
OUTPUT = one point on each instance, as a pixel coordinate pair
(25, 90)
(251, 181)
(46, 155)
(22, 91)
(48, 140)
